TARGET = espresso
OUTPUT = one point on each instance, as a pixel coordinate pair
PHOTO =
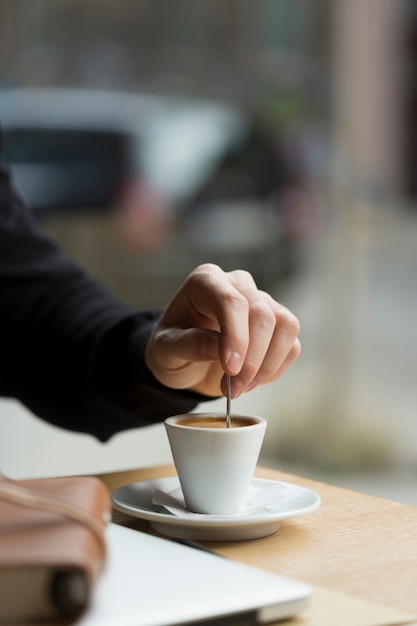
(216, 422)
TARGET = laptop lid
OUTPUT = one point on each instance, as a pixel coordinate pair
(151, 581)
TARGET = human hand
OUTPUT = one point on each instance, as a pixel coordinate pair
(220, 323)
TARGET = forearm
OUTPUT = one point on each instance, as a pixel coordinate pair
(69, 350)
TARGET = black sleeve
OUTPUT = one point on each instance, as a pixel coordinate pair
(69, 350)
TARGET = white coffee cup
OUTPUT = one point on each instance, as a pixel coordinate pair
(215, 464)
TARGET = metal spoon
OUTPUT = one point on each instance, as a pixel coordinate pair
(228, 402)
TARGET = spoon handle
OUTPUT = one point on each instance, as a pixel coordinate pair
(229, 401)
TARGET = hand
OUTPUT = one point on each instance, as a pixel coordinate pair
(220, 322)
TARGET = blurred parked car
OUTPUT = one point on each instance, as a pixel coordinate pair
(203, 173)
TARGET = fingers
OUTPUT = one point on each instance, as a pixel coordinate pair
(261, 378)
(209, 300)
(258, 336)
(220, 322)
(272, 343)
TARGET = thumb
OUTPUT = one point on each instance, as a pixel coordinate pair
(189, 345)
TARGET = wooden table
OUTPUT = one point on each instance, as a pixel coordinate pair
(354, 543)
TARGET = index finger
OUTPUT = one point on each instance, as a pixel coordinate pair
(219, 304)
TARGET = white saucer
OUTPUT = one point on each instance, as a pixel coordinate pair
(136, 500)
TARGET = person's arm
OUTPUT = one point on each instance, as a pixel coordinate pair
(81, 359)
(69, 350)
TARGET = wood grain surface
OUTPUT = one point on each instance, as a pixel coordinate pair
(354, 543)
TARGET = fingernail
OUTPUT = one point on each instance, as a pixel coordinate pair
(234, 363)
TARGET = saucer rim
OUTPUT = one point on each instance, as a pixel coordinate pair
(212, 521)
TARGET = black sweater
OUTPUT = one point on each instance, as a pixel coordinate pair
(69, 350)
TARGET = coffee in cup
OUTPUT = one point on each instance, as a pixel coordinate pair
(213, 421)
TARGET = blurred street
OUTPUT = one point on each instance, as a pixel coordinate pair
(383, 391)
(381, 360)
(372, 445)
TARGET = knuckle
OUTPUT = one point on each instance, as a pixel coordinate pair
(236, 301)
(263, 314)
(295, 351)
(289, 324)
(243, 276)
(207, 268)
(205, 271)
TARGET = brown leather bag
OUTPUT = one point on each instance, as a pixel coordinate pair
(52, 547)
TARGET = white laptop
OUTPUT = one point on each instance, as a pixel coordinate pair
(151, 581)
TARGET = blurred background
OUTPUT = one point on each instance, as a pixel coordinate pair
(279, 137)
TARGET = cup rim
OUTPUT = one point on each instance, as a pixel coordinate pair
(173, 419)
